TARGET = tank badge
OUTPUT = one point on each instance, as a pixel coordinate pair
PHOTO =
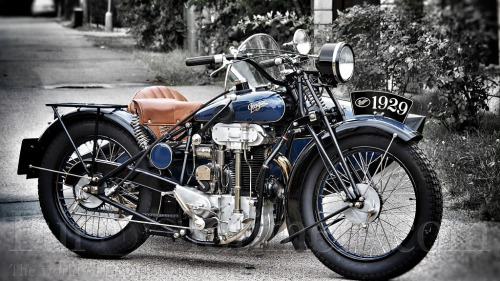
(253, 107)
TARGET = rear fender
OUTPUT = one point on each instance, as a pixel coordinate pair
(32, 150)
(310, 154)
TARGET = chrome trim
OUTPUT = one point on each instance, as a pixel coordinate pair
(285, 166)
(218, 58)
(335, 62)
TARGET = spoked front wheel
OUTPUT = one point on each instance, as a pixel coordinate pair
(400, 216)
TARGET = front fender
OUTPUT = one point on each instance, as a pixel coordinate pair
(376, 125)
(309, 154)
(32, 150)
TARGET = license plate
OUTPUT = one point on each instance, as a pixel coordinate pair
(380, 104)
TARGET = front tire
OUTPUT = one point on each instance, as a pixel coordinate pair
(79, 220)
(404, 196)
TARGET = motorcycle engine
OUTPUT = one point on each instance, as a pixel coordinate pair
(228, 163)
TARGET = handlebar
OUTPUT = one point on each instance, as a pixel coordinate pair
(213, 59)
(271, 62)
(200, 60)
(220, 58)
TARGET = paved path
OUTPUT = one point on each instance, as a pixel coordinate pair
(42, 62)
(37, 57)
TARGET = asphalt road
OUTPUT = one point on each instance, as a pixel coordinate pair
(42, 62)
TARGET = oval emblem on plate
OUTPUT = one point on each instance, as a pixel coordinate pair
(362, 102)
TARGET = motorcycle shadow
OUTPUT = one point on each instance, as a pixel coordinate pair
(275, 261)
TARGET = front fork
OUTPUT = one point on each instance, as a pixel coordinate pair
(313, 117)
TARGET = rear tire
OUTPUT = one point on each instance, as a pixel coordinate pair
(80, 221)
(407, 200)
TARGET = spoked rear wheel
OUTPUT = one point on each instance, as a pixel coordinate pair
(401, 212)
(80, 220)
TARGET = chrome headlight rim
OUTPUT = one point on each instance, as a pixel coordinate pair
(330, 61)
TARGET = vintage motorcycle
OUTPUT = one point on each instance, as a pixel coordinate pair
(276, 151)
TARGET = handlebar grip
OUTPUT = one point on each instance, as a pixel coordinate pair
(271, 62)
(200, 60)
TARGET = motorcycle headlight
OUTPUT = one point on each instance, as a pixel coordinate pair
(336, 60)
(301, 42)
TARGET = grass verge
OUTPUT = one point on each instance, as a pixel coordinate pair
(170, 68)
(468, 165)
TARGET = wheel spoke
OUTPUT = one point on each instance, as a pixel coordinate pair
(342, 234)
(86, 215)
(333, 189)
(393, 228)
(350, 237)
(382, 235)
(400, 207)
(383, 230)
(335, 221)
(378, 238)
(364, 242)
(396, 188)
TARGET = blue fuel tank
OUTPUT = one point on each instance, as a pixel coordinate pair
(253, 107)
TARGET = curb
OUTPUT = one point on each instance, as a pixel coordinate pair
(96, 31)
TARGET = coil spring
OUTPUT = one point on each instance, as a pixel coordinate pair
(311, 100)
(140, 134)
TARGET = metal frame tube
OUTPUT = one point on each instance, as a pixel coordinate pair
(96, 132)
(56, 113)
(186, 156)
(237, 185)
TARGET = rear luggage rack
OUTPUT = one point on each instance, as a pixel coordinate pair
(86, 105)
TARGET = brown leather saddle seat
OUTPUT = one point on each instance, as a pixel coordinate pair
(160, 106)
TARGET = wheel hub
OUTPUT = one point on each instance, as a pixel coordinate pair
(86, 199)
(370, 209)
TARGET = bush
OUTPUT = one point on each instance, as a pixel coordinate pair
(160, 25)
(281, 26)
(156, 24)
(384, 42)
(458, 49)
(226, 23)
(442, 50)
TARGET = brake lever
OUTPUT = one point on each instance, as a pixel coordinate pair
(225, 63)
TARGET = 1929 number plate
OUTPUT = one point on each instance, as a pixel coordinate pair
(381, 104)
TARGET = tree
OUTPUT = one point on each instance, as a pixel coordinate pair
(156, 24)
